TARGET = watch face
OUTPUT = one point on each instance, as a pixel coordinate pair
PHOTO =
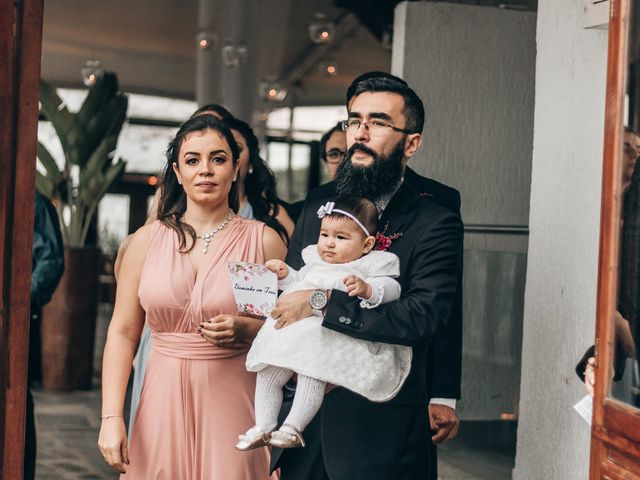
(318, 300)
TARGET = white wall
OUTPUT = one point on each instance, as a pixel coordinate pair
(474, 69)
(559, 317)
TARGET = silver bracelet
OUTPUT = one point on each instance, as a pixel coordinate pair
(109, 415)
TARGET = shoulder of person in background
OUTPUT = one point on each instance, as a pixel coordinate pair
(323, 192)
(619, 363)
(47, 252)
(293, 209)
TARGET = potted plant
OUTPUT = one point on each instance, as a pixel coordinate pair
(88, 139)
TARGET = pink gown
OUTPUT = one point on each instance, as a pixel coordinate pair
(196, 397)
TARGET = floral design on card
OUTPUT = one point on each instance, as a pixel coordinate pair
(255, 288)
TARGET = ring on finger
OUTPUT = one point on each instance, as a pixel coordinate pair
(220, 342)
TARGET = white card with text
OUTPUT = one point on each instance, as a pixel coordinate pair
(585, 408)
(254, 287)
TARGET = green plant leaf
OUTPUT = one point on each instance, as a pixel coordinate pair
(111, 175)
(98, 182)
(108, 119)
(101, 189)
(88, 139)
(100, 159)
(99, 95)
(49, 164)
(45, 186)
(56, 112)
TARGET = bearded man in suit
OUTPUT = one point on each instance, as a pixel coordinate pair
(351, 437)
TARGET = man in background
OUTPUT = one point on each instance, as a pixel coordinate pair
(47, 267)
(333, 146)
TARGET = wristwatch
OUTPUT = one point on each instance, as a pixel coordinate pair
(318, 301)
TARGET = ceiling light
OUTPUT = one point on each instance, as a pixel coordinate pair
(272, 90)
(91, 71)
(320, 29)
(330, 69)
(205, 39)
(234, 55)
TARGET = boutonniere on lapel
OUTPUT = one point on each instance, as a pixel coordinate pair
(383, 241)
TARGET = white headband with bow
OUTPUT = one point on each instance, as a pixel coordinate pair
(328, 209)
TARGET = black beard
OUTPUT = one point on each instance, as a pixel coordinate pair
(373, 181)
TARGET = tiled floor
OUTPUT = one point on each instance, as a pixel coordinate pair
(459, 462)
(68, 423)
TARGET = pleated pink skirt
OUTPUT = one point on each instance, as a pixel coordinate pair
(195, 401)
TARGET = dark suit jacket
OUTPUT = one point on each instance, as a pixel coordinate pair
(445, 355)
(429, 246)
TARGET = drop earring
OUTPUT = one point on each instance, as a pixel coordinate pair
(250, 169)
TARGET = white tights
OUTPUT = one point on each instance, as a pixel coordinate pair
(306, 402)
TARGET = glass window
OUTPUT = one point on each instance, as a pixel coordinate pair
(318, 119)
(279, 119)
(143, 106)
(309, 123)
(144, 146)
(300, 159)
(278, 156)
(113, 221)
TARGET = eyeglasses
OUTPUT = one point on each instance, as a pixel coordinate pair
(376, 128)
(334, 155)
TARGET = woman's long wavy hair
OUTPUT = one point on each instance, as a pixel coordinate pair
(260, 183)
(173, 199)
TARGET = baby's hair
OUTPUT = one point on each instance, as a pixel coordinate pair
(360, 207)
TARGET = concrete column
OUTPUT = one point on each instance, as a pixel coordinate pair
(235, 94)
(474, 69)
(207, 61)
(560, 299)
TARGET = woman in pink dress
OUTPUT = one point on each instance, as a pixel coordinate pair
(197, 393)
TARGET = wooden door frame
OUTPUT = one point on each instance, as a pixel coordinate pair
(20, 49)
(615, 432)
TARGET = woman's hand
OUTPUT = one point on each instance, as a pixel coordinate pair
(227, 330)
(278, 267)
(357, 287)
(113, 443)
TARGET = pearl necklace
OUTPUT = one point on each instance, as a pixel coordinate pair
(207, 237)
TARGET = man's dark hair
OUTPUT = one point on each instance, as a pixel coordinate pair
(222, 112)
(325, 138)
(366, 76)
(385, 82)
(360, 207)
